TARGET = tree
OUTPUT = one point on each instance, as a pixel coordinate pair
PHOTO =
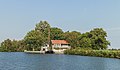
(56, 33)
(95, 39)
(44, 28)
(43, 33)
(34, 40)
(6, 45)
(85, 41)
(12, 46)
(18, 46)
(98, 39)
(72, 38)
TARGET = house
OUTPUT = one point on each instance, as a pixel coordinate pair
(60, 45)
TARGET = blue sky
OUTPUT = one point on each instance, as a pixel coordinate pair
(17, 17)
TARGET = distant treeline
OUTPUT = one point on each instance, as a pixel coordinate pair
(34, 39)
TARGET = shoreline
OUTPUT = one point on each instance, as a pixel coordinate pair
(90, 53)
(94, 53)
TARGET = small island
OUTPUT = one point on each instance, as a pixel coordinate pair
(44, 38)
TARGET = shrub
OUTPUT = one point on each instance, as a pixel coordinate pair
(90, 52)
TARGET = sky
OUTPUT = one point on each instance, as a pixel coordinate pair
(17, 17)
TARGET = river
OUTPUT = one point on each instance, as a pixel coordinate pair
(23, 61)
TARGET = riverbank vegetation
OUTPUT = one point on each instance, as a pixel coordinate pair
(91, 52)
(95, 40)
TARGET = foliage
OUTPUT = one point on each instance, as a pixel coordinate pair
(12, 46)
(34, 39)
(97, 53)
(43, 33)
(44, 28)
(72, 38)
(98, 37)
(6, 45)
(56, 33)
(95, 39)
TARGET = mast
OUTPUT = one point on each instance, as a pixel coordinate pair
(49, 40)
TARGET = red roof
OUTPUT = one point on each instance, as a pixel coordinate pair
(59, 42)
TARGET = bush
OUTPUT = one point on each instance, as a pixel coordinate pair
(90, 52)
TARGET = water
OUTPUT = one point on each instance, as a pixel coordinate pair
(23, 61)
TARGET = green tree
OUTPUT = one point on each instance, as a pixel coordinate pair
(18, 46)
(12, 46)
(6, 45)
(85, 41)
(98, 39)
(34, 40)
(56, 33)
(43, 33)
(22, 45)
(44, 28)
(72, 38)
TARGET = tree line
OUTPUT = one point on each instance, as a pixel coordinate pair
(43, 32)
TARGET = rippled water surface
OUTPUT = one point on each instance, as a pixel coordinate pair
(23, 61)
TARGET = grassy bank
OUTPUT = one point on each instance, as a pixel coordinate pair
(97, 53)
